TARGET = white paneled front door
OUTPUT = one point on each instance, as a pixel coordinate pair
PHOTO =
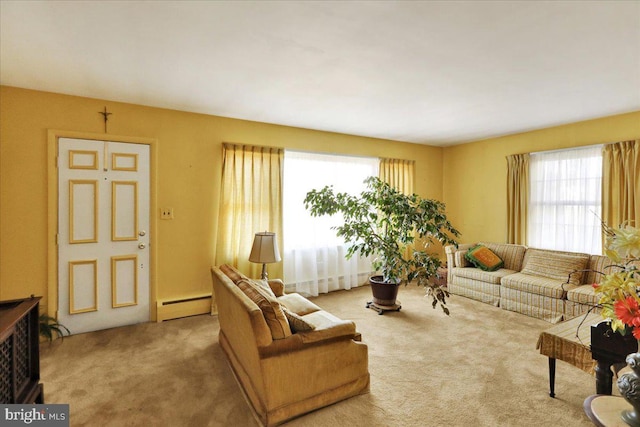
(103, 234)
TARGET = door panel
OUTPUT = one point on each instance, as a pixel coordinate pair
(124, 280)
(103, 237)
(83, 286)
(124, 212)
(83, 211)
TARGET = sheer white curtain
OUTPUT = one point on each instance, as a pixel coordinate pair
(313, 257)
(565, 200)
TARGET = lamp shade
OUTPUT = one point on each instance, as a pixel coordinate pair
(265, 248)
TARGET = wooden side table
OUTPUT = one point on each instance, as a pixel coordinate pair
(568, 341)
(604, 411)
(20, 352)
(609, 348)
(441, 276)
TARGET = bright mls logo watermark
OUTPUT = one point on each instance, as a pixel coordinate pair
(35, 415)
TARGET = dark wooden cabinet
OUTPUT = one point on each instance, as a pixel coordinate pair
(609, 348)
(20, 352)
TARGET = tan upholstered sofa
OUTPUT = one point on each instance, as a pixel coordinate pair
(284, 367)
(550, 285)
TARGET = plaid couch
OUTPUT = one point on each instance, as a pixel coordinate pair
(541, 283)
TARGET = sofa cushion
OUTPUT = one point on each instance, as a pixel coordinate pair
(555, 265)
(488, 293)
(298, 304)
(270, 307)
(262, 284)
(538, 285)
(297, 322)
(511, 254)
(492, 277)
(583, 294)
(484, 258)
(542, 307)
(232, 273)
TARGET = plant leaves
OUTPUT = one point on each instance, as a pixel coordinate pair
(397, 229)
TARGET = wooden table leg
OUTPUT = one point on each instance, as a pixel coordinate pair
(552, 376)
(604, 377)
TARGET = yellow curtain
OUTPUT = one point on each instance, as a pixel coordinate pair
(250, 202)
(621, 183)
(517, 198)
(398, 173)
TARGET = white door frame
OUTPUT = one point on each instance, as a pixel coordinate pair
(52, 211)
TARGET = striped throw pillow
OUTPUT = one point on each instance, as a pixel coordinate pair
(270, 307)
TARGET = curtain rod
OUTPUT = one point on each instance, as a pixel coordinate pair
(581, 147)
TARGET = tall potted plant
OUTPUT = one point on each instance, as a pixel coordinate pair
(394, 227)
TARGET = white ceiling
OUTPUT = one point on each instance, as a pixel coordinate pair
(433, 72)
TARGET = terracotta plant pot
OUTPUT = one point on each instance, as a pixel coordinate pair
(384, 293)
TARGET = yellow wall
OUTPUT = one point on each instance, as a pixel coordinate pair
(189, 148)
(475, 174)
(469, 178)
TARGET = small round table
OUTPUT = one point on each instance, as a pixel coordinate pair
(604, 411)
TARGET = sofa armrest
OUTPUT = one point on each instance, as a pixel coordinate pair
(277, 286)
(461, 260)
(451, 251)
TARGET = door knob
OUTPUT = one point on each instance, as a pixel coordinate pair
(141, 246)
(142, 233)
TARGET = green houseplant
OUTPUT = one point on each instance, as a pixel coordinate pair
(397, 229)
(50, 329)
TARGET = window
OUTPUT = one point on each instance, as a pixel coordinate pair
(313, 255)
(565, 200)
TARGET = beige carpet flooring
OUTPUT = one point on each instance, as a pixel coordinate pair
(478, 367)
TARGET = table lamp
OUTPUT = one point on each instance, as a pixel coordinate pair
(265, 251)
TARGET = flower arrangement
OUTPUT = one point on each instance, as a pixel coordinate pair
(619, 290)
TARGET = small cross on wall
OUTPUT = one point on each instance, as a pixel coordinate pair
(106, 115)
